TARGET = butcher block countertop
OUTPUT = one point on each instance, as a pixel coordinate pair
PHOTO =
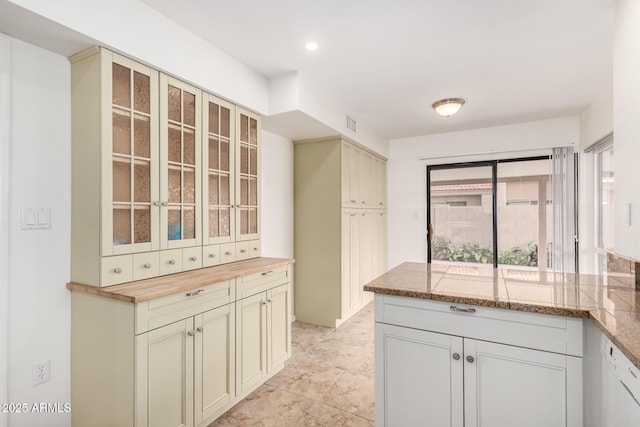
(611, 302)
(148, 289)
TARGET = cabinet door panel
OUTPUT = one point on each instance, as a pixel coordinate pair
(278, 327)
(247, 175)
(506, 383)
(130, 156)
(164, 376)
(421, 383)
(214, 361)
(251, 324)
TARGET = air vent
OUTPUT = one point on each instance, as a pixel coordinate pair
(351, 124)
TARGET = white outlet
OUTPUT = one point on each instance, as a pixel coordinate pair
(41, 372)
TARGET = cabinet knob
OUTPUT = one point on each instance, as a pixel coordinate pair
(242, 251)
(117, 270)
(456, 356)
(227, 253)
(147, 266)
(156, 203)
(199, 329)
(191, 333)
(193, 259)
(353, 201)
(470, 359)
(212, 255)
(255, 249)
(164, 203)
(269, 301)
(172, 261)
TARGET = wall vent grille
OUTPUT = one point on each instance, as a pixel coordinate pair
(351, 124)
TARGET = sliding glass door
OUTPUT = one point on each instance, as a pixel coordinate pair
(496, 213)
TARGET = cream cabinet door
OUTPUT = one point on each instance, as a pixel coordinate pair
(278, 326)
(251, 331)
(129, 144)
(354, 260)
(218, 165)
(418, 378)
(214, 361)
(164, 376)
(346, 267)
(506, 385)
(247, 175)
(180, 164)
(367, 185)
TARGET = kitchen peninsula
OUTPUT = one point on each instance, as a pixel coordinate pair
(463, 345)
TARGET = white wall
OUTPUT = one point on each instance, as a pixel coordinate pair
(39, 176)
(277, 196)
(5, 83)
(626, 111)
(135, 29)
(408, 158)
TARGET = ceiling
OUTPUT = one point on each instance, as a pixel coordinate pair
(387, 61)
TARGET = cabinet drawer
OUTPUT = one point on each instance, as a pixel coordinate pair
(191, 258)
(146, 265)
(523, 329)
(260, 282)
(116, 269)
(170, 261)
(210, 255)
(254, 249)
(161, 311)
(227, 253)
(242, 251)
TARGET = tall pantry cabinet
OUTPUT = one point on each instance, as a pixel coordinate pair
(164, 175)
(340, 224)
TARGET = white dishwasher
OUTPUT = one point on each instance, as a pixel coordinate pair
(621, 388)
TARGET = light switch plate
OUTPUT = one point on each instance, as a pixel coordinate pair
(36, 218)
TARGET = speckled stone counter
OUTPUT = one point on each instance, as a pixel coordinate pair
(611, 302)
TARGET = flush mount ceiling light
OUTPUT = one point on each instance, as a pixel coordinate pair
(448, 107)
(311, 46)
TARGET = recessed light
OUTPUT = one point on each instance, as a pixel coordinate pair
(311, 46)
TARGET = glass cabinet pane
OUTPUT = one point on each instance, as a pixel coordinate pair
(121, 85)
(175, 186)
(224, 154)
(142, 182)
(225, 192)
(121, 131)
(214, 222)
(189, 156)
(175, 144)
(142, 92)
(175, 112)
(189, 105)
(141, 136)
(121, 180)
(175, 225)
(189, 231)
(225, 122)
(214, 193)
(225, 222)
(121, 226)
(142, 224)
(214, 153)
(189, 180)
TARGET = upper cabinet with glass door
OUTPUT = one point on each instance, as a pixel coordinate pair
(180, 179)
(219, 171)
(130, 156)
(248, 196)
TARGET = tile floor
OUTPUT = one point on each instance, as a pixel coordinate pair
(328, 381)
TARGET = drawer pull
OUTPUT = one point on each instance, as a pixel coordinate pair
(172, 262)
(266, 273)
(147, 266)
(199, 291)
(462, 310)
(117, 270)
(212, 255)
(193, 259)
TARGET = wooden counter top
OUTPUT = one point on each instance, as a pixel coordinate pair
(148, 289)
(611, 302)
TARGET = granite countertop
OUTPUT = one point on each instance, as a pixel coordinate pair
(611, 302)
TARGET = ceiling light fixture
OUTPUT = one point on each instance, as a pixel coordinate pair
(448, 107)
(311, 46)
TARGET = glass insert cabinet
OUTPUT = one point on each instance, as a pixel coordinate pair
(165, 177)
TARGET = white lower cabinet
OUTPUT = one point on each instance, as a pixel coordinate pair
(181, 359)
(434, 378)
(264, 336)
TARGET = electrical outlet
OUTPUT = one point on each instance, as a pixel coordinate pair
(41, 372)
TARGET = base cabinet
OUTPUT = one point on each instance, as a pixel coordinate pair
(433, 378)
(178, 360)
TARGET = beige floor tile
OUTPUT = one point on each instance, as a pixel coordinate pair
(326, 416)
(352, 393)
